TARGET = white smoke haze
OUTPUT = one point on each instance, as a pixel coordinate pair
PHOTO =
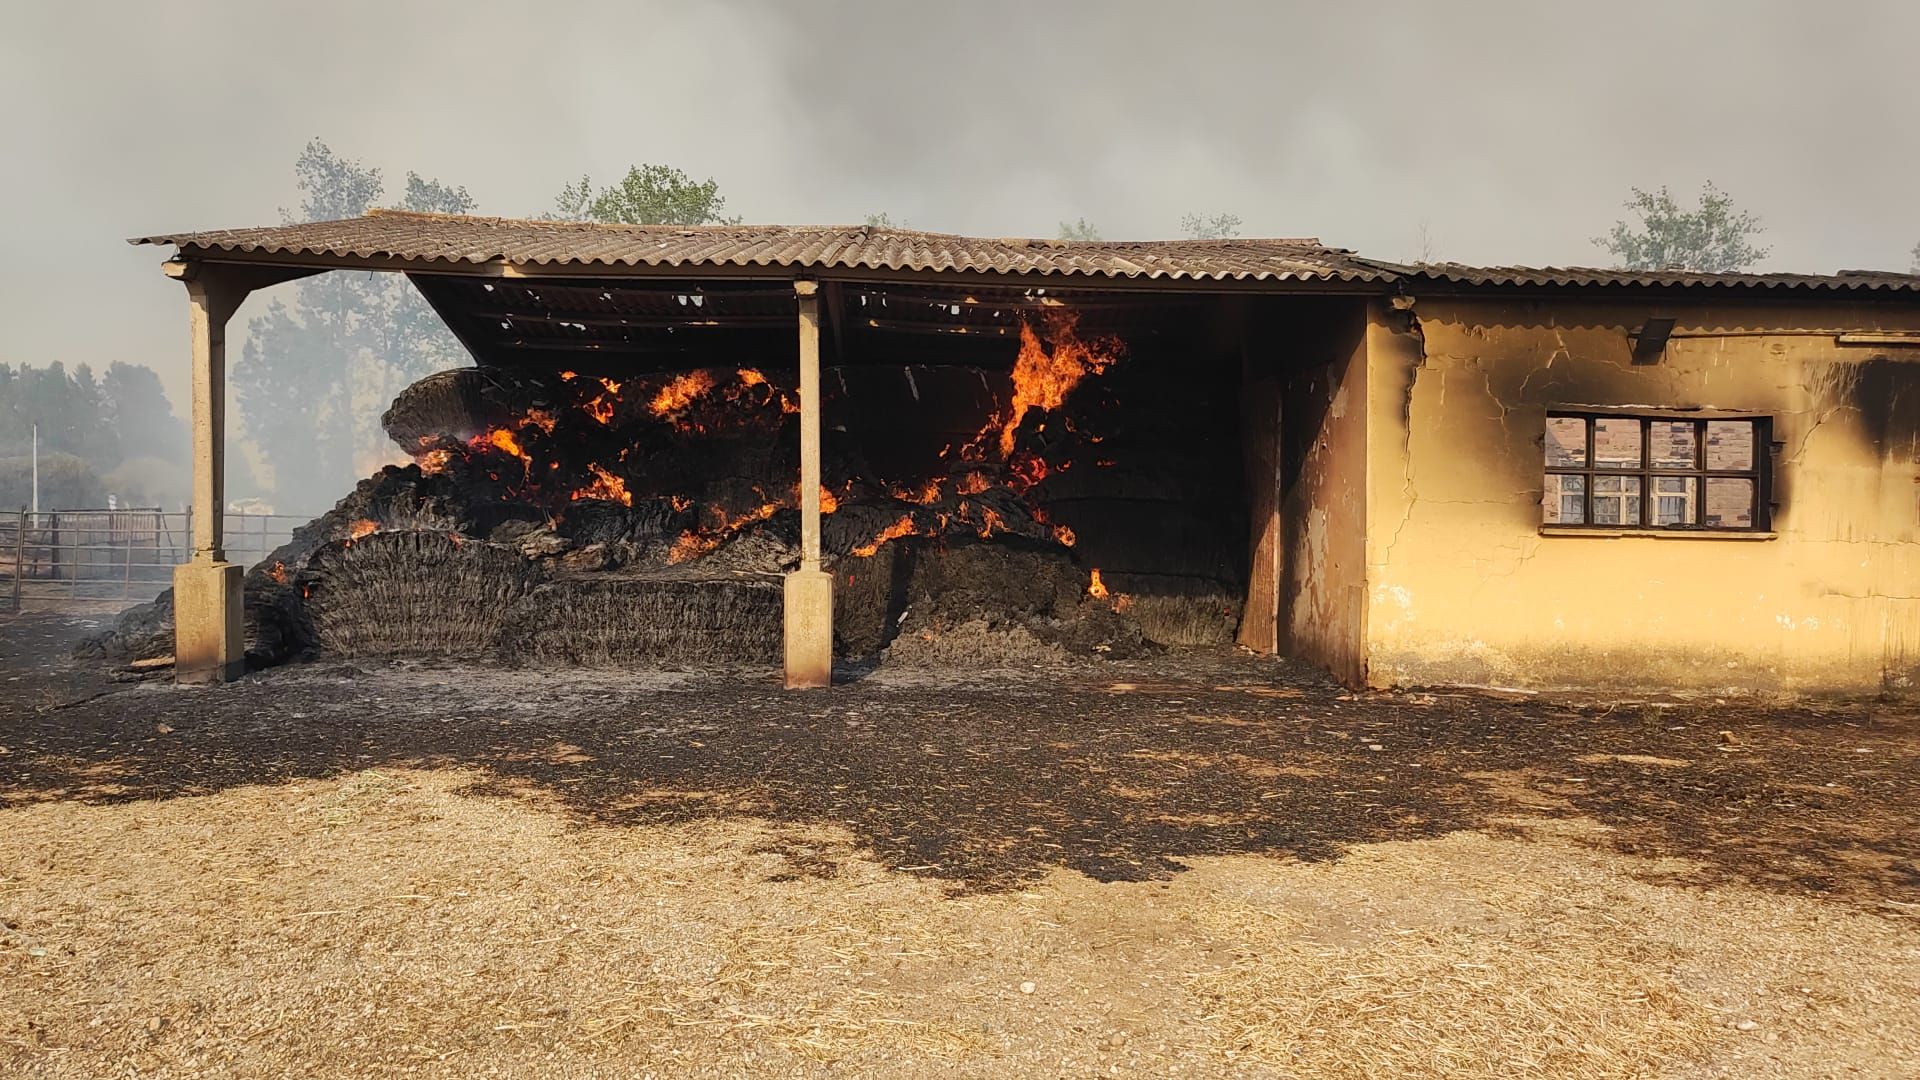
(1510, 131)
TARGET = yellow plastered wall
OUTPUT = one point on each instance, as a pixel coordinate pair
(1463, 588)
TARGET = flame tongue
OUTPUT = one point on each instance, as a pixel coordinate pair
(605, 486)
(1043, 379)
(676, 396)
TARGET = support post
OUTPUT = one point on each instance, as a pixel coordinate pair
(208, 646)
(809, 590)
(19, 559)
(1260, 413)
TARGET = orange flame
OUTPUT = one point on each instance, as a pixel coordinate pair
(925, 495)
(680, 393)
(1026, 470)
(278, 573)
(695, 543)
(1042, 379)
(1064, 535)
(605, 486)
(903, 527)
(504, 439)
(434, 462)
(989, 521)
(973, 483)
(1097, 588)
(362, 527)
(599, 407)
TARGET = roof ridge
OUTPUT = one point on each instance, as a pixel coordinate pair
(870, 230)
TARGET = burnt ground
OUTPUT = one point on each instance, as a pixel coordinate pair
(1194, 864)
(1121, 771)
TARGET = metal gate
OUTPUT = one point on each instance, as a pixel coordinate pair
(68, 558)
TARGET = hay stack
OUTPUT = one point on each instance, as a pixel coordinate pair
(414, 593)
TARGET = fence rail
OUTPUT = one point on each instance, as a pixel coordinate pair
(71, 556)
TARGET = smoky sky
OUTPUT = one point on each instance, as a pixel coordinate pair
(1505, 132)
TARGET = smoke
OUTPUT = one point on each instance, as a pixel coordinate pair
(1511, 130)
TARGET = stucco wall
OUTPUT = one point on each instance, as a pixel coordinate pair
(1323, 482)
(1464, 588)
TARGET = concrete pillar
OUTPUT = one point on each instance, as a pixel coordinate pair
(208, 646)
(809, 590)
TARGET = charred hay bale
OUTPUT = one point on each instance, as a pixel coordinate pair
(272, 624)
(601, 521)
(994, 578)
(142, 632)
(456, 405)
(869, 596)
(1177, 610)
(617, 620)
(938, 640)
(414, 593)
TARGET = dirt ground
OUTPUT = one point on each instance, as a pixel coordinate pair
(1199, 864)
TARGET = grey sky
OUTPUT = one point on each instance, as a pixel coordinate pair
(1512, 131)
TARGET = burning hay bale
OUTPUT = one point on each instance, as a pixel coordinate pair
(968, 512)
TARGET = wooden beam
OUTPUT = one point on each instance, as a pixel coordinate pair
(643, 322)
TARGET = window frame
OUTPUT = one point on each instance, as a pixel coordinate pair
(1761, 474)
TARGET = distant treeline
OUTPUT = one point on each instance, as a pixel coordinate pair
(99, 435)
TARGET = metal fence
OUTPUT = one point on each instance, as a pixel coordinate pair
(65, 557)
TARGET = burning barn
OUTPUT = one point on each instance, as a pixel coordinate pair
(794, 444)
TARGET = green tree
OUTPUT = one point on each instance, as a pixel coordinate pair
(1713, 237)
(1914, 268)
(647, 195)
(1079, 229)
(1217, 227)
(884, 220)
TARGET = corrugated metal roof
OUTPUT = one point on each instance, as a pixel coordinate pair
(457, 239)
(445, 238)
(1544, 276)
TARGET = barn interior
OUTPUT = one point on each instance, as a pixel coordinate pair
(1009, 452)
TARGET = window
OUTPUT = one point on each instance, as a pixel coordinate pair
(1610, 470)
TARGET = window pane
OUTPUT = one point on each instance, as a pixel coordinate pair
(1730, 445)
(1616, 500)
(1673, 444)
(1729, 503)
(1616, 443)
(1673, 499)
(1566, 441)
(1563, 503)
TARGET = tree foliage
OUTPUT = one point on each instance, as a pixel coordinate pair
(1713, 237)
(322, 363)
(647, 195)
(1217, 227)
(88, 427)
(1079, 229)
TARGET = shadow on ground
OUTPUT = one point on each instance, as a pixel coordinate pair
(1120, 771)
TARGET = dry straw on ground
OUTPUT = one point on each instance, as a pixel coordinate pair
(390, 923)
